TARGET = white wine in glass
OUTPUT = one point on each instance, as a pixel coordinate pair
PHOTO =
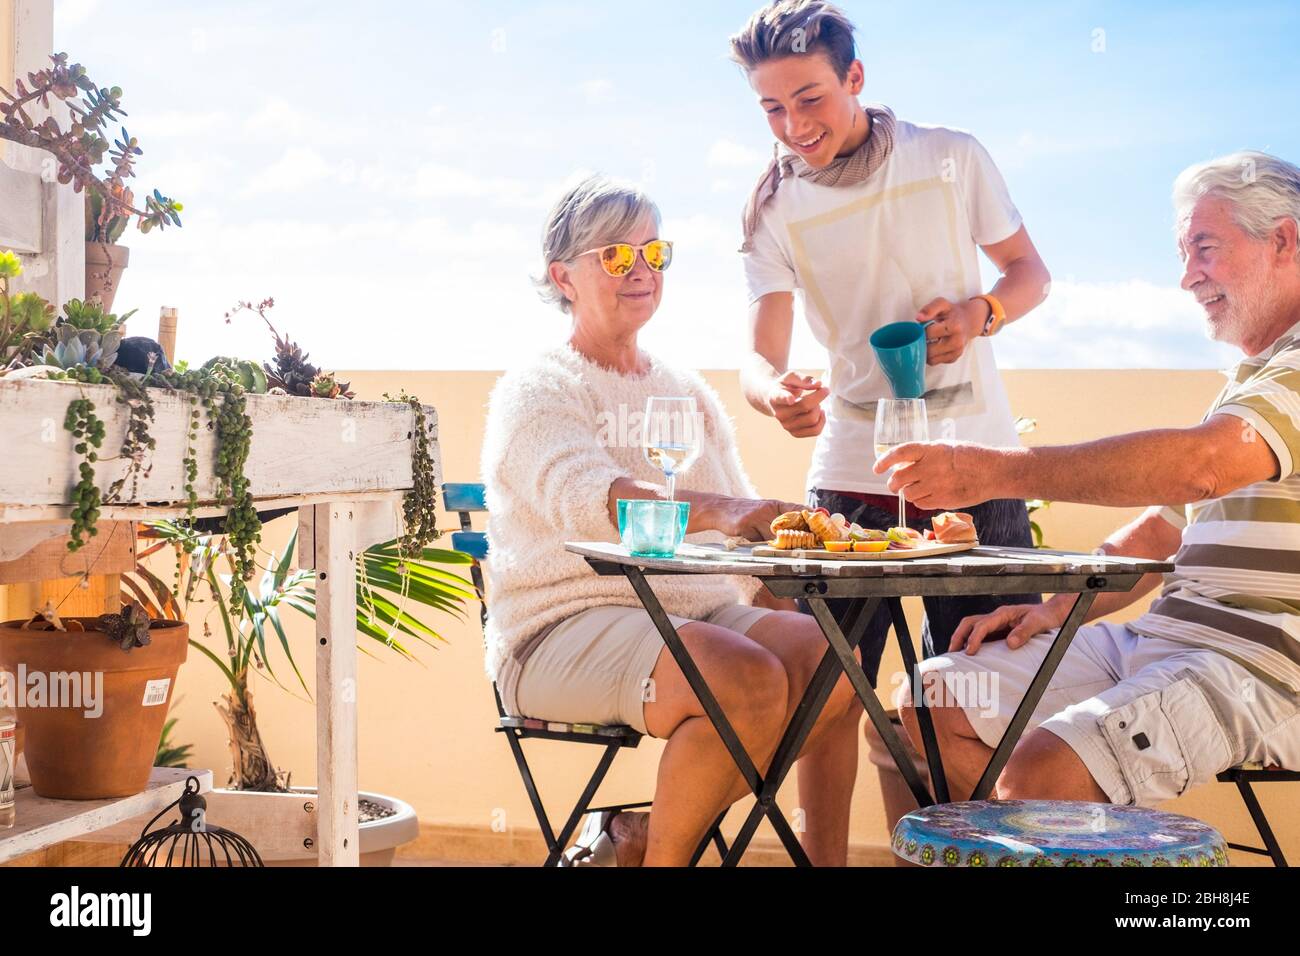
(671, 437)
(899, 421)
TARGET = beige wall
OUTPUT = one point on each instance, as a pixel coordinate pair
(426, 728)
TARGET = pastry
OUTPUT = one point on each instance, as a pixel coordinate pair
(790, 521)
(793, 540)
(822, 525)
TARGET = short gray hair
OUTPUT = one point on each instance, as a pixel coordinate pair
(1261, 188)
(594, 212)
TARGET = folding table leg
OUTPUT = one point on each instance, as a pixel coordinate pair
(933, 759)
(713, 836)
(1037, 687)
(748, 772)
(867, 694)
(804, 717)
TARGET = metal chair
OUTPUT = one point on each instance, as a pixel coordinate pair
(466, 500)
(1243, 777)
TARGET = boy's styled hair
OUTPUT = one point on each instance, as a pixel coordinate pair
(791, 27)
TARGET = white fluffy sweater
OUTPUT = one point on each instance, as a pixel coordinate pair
(558, 434)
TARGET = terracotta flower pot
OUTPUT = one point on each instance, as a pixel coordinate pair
(104, 265)
(94, 732)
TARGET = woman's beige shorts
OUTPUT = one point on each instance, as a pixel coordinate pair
(595, 667)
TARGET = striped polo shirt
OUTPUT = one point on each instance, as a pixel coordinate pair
(1235, 587)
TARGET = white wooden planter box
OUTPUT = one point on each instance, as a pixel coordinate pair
(344, 464)
(301, 446)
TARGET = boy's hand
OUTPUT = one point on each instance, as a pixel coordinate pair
(796, 402)
(955, 326)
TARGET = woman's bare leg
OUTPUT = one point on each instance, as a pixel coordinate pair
(696, 773)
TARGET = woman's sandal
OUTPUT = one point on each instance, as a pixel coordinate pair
(595, 845)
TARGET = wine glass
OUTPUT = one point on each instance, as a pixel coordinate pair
(671, 437)
(899, 421)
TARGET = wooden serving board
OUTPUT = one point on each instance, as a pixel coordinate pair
(821, 554)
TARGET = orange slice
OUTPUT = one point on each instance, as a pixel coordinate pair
(870, 547)
(837, 545)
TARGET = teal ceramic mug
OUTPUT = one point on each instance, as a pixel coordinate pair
(900, 350)
(651, 528)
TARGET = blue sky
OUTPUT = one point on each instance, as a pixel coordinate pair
(383, 169)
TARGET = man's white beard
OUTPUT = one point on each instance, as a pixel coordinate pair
(1251, 305)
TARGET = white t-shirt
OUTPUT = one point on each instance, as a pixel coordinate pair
(863, 256)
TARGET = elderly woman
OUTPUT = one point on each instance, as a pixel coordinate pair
(564, 644)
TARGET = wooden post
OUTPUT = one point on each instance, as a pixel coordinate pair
(53, 235)
(336, 683)
(167, 332)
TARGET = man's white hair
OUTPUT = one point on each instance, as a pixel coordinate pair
(1261, 188)
(594, 211)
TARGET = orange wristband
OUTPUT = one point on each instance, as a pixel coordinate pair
(997, 315)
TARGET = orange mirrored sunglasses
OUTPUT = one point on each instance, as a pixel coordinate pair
(617, 259)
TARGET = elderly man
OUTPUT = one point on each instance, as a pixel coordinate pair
(1209, 677)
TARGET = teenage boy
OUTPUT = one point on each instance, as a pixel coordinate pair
(875, 220)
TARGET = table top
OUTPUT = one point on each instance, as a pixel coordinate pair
(716, 559)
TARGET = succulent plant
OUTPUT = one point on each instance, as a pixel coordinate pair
(291, 371)
(82, 143)
(25, 318)
(128, 628)
(32, 312)
(91, 316)
(105, 227)
(244, 371)
(326, 385)
(88, 347)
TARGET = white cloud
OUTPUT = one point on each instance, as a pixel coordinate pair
(73, 13)
(1133, 324)
(441, 181)
(279, 119)
(728, 153)
(598, 92)
(299, 168)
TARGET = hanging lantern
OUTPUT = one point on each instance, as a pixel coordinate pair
(190, 840)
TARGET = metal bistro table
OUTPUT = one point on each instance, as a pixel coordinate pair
(981, 571)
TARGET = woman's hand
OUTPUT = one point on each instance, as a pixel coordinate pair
(749, 518)
(955, 326)
(1019, 622)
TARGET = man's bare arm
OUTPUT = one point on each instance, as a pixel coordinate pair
(1169, 466)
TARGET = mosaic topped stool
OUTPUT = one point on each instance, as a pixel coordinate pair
(1054, 833)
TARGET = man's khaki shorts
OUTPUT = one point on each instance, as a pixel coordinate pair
(595, 667)
(1148, 717)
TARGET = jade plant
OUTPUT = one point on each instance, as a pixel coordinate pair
(86, 155)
